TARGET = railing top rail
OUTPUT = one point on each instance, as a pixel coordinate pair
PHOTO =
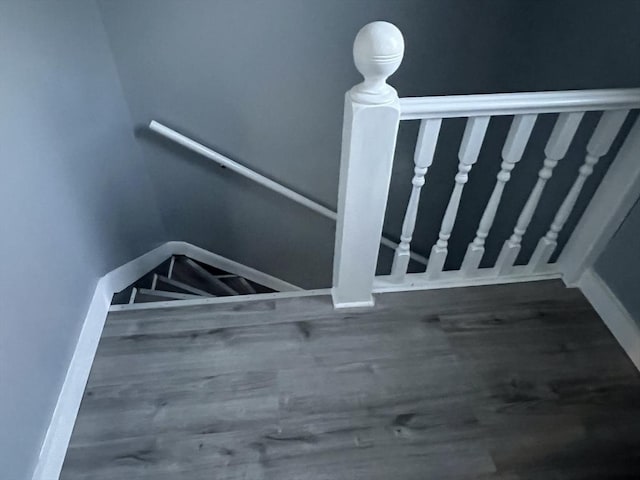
(450, 106)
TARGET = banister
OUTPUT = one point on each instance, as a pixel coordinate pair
(226, 162)
(450, 106)
(240, 169)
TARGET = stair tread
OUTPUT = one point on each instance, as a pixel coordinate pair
(211, 278)
(183, 286)
(181, 278)
(166, 294)
(241, 285)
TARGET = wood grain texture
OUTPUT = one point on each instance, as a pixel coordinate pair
(498, 382)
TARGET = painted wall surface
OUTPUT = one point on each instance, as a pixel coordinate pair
(264, 82)
(76, 203)
(619, 264)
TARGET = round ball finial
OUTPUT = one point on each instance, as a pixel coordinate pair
(377, 53)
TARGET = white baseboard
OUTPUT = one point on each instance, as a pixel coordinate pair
(613, 314)
(56, 441)
(123, 276)
(455, 279)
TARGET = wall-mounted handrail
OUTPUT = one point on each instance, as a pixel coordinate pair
(450, 106)
(240, 169)
(261, 179)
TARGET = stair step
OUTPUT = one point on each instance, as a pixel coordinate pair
(210, 278)
(180, 285)
(164, 294)
(241, 285)
(181, 278)
(185, 274)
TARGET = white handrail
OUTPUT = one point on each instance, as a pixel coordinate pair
(450, 106)
(256, 177)
(240, 169)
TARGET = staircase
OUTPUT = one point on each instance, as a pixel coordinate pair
(454, 384)
(182, 278)
(414, 385)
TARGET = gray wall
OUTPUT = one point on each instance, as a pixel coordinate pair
(76, 202)
(619, 264)
(263, 82)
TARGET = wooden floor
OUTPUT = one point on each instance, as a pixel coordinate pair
(506, 382)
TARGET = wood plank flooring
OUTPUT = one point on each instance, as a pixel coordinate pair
(507, 382)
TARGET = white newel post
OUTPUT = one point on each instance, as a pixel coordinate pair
(423, 158)
(371, 118)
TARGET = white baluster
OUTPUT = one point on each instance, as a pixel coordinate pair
(468, 155)
(423, 157)
(600, 143)
(512, 151)
(556, 148)
(371, 119)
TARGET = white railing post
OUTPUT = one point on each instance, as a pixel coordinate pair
(512, 151)
(423, 158)
(371, 118)
(600, 143)
(555, 150)
(468, 155)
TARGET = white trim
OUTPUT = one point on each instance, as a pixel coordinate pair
(56, 440)
(123, 276)
(453, 279)
(339, 304)
(613, 314)
(363, 304)
(449, 106)
(218, 300)
(218, 261)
